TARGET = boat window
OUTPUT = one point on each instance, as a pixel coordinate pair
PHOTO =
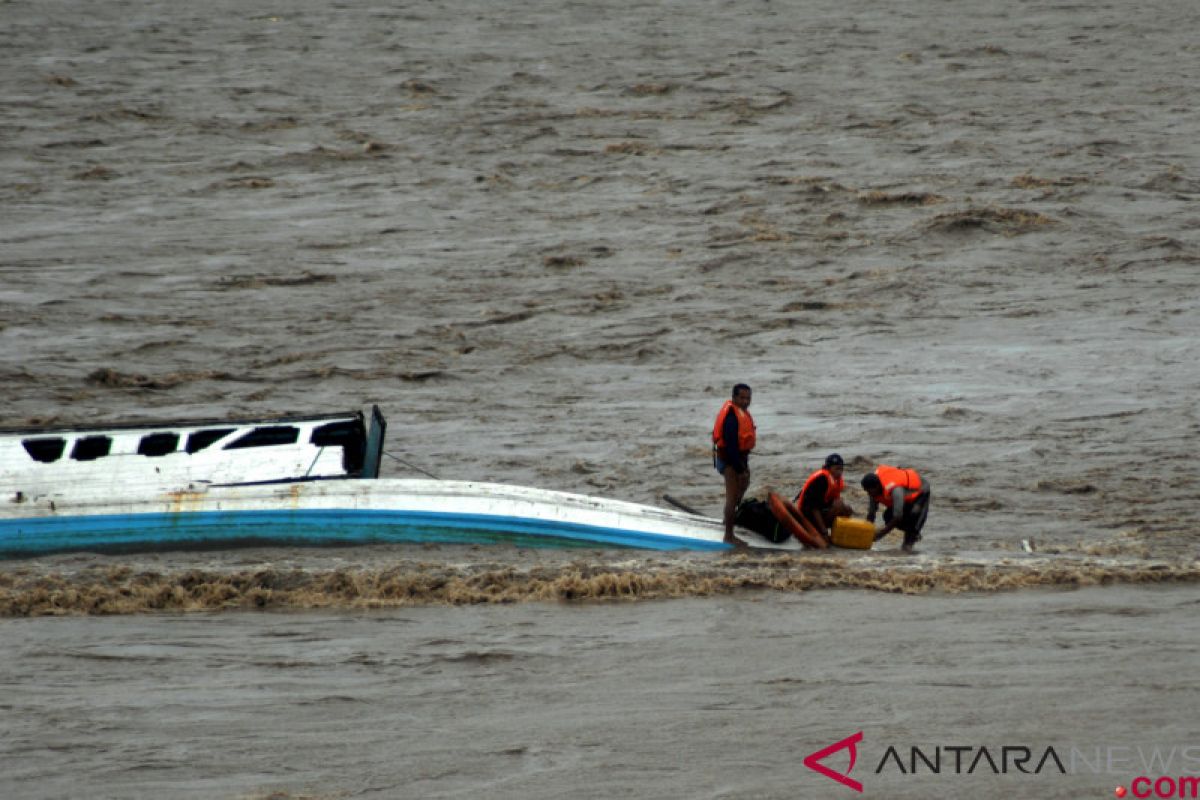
(201, 439)
(265, 437)
(44, 450)
(347, 434)
(89, 448)
(336, 434)
(158, 444)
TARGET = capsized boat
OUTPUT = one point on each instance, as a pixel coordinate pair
(284, 480)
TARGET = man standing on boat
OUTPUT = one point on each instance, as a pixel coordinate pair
(905, 497)
(733, 439)
(820, 498)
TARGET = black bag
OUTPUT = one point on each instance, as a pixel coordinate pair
(756, 515)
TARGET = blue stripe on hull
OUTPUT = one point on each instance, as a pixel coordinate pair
(25, 537)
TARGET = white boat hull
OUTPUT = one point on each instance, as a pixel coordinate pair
(345, 511)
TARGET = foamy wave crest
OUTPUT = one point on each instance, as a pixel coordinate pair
(121, 589)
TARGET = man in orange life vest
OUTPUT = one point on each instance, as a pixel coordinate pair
(820, 498)
(905, 497)
(733, 439)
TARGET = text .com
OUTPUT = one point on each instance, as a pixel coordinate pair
(1163, 786)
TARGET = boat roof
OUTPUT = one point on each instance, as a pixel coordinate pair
(160, 424)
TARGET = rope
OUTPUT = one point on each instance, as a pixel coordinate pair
(411, 466)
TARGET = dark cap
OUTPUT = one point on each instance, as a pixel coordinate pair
(834, 460)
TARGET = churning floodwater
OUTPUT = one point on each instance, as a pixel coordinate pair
(547, 238)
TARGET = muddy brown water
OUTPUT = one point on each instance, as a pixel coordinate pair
(547, 238)
(716, 697)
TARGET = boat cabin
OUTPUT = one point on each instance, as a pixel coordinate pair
(181, 455)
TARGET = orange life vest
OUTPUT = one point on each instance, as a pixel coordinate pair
(891, 477)
(833, 489)
(745, 427)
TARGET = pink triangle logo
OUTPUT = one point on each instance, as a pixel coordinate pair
(813, 761)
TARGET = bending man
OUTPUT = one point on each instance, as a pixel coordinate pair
(905, 497)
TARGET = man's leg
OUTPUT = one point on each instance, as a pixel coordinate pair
(734, 490)
(821, 521)
(914, 521)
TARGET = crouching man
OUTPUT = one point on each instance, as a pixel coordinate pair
(904, 495)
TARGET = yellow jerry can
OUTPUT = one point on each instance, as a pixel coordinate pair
(857, 534)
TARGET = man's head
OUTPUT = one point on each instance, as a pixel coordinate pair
(872, 485)
(741, 396)
(835, 465)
